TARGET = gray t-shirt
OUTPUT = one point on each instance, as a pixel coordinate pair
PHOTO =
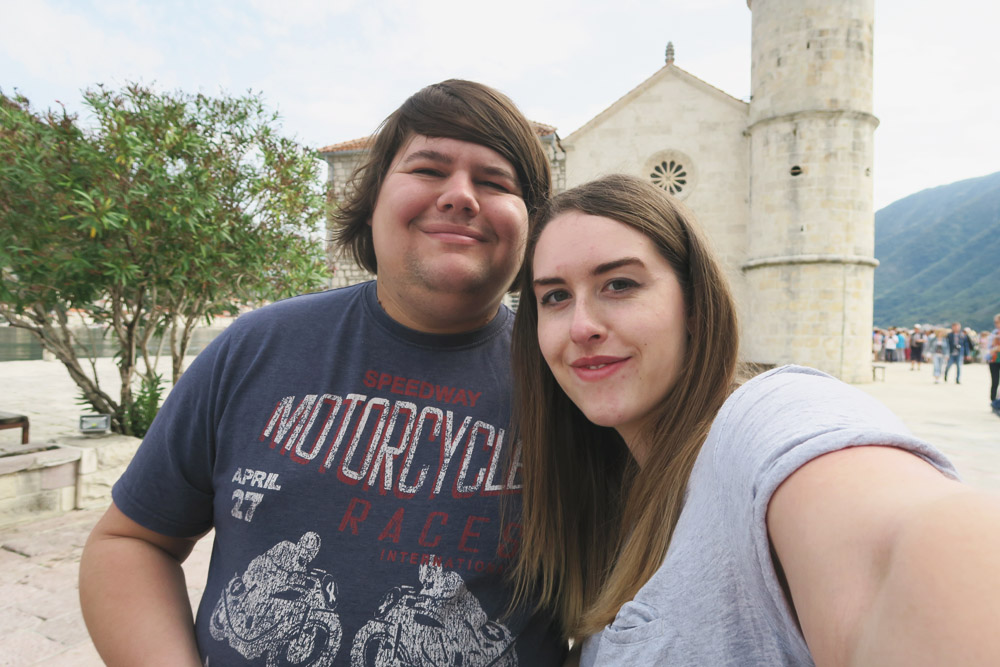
(716, 599)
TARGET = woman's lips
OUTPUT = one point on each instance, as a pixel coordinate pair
(597, 368)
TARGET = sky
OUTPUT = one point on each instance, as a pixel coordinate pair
(334, 69)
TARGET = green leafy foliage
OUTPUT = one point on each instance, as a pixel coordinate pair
(163, 211)
(147, 401)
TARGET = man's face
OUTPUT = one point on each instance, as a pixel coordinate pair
(449, 218)
(956, 327)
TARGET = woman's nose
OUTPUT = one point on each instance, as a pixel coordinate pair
(587, 325)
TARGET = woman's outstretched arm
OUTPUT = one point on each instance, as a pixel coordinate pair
(888, 561)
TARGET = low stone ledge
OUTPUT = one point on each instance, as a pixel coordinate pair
(35, 457)
(37, 481)
(103, 459)
(76, 472)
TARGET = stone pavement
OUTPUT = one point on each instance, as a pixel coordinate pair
(40, 621)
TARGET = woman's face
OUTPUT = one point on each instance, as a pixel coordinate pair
(611, 319)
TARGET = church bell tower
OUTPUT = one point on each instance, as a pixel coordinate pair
(810, 260)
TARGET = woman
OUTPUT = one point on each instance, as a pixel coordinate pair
(672, 518)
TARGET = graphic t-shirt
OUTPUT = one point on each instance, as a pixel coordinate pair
(353, 470)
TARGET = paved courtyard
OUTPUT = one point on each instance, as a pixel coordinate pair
(40, 621)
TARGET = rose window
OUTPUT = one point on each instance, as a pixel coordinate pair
(670, 175)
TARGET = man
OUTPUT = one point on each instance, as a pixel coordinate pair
(917, 341)
(344, 445)
(959, 347)
(991, 353)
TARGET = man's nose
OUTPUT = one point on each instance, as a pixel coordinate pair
(459, 194)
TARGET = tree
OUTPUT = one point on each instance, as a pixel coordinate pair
(168, 210)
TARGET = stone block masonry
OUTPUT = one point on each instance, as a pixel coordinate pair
(39, 481)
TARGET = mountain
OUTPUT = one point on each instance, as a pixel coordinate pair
(939, 254)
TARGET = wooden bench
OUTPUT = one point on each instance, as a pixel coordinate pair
(878, 368)
(11, 420)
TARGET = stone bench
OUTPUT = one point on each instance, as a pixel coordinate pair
(11, 420)
(878, 369)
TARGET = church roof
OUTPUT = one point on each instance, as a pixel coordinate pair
(667, 70)
(541, 129)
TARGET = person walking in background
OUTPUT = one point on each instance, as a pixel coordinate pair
(959, 347)
(974, 353)
(902, 346)
(917, 341)
(890, 345)
(991, 353)
(939, 352)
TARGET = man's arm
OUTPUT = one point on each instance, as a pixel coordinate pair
(133, 594)
(889, 562)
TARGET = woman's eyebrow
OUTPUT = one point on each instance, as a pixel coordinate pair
(616, 264)
(539, 282)
(596, 271)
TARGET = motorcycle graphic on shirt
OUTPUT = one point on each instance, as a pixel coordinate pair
(281, 608)
(440, 624)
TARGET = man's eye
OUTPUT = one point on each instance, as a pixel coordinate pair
(500, 187)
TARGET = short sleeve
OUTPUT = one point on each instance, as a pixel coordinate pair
(168, 485)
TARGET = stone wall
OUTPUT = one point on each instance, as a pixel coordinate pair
(73, 473)
(674, 116)
(37, 483)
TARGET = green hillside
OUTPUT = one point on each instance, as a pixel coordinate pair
(939, 254)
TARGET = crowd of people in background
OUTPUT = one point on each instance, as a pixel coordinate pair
(945, 347)
(915, 345)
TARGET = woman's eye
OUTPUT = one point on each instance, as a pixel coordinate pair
(553, 297)
(426, 171)
(621, 284)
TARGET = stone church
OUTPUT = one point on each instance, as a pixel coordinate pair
(782, 182)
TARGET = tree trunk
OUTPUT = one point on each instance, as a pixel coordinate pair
(57, 337)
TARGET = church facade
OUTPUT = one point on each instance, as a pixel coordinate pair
(782, 182)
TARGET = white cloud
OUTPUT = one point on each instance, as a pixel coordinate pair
(68, 47)
(335, 68)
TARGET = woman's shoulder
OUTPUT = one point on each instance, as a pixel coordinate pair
(781, 419)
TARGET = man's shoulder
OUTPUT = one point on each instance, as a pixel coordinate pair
(310, 305)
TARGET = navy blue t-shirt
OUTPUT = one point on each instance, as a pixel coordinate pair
(353, 470)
